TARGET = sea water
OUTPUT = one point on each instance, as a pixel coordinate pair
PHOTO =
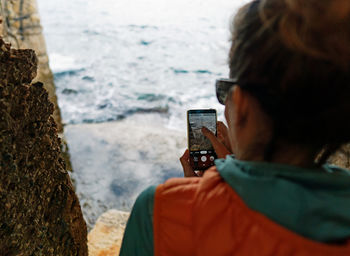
(126, 71)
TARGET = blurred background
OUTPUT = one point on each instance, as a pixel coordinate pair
(126, 72)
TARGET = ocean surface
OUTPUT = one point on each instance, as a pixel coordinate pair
(126, 72)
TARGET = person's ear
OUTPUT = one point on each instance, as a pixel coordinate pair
(240, 100)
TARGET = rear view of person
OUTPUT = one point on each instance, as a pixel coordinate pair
(287, 106)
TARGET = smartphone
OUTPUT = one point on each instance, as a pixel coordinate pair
(202, 154)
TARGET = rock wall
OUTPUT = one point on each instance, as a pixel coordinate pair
(40, 213)
(21, 27)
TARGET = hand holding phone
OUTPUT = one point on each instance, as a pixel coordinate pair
(201, 150)
(219, 140)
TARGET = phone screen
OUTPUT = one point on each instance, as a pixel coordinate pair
(202, 154)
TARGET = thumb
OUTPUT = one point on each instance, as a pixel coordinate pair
(185, 162)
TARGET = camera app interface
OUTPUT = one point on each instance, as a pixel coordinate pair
(201, 151)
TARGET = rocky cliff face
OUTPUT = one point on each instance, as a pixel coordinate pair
(21, 27)
(40, 213)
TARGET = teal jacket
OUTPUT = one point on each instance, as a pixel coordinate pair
(314, 203)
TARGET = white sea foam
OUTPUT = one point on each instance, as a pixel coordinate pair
(61, 63)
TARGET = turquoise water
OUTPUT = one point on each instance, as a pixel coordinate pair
(138, 64)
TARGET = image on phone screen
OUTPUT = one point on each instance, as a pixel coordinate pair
(202, 153)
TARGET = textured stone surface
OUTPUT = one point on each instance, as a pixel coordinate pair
(106, 237)
(40, 213)
(22, 28)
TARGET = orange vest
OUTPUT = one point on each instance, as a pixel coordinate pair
(204, 216)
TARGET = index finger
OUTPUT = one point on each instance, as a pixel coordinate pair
(219, 147)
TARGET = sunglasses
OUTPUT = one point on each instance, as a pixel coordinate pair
(223, 87)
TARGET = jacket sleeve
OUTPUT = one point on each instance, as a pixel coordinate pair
(138, 236)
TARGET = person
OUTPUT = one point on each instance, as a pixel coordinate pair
(287, 109)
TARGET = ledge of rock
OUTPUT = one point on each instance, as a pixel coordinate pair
(106, 237)
(40, 213)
